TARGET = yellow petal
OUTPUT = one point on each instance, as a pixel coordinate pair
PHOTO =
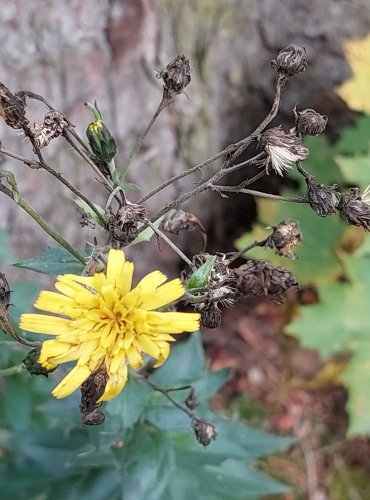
(72, 381)
(115, 384)
(162, 296)
(40, 323)
(151, 281)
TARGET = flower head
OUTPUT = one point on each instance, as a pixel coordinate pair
(283, 149)
(354, 208)
(105, 325)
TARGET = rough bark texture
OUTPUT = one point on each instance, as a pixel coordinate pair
(79, 50)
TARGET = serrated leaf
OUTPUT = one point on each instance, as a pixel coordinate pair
(199, 278)
(54, 261)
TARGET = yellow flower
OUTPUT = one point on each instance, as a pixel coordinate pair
(106, 325)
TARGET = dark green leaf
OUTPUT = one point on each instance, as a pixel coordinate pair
(53, 261)
(199, 278)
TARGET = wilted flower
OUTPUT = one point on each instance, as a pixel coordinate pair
(261, 278)
(53, 126)
(12, 108)
(210, 316)
(309, 122)
(104, 325)
(283, 149)
(355, 208)
(290, 61)
(323, 199)
(204, 431)
(176, 76)
(33, 366)
(123, 225)
(285, 238)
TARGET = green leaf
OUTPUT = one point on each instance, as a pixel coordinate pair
(21, 298)
(340, 323)
(199, 278)
(355, 139)
(146, 234)
(185, 364)
(355, 170)
(53, 261)
(356, 378)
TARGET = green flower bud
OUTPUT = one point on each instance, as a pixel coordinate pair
(102, 143)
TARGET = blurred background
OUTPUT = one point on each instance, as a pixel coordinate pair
(81, 50)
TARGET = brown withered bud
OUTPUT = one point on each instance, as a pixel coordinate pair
(176, 76)
(192, 401)
(210, 316)
(354, 208)
(178, 220)
(204, 431)
(290, 61)
(96, 417)
(12, 108)
(92, 390)
(53, 126)
(123, 225)
(285, 238)
(260, 278)
(283, 149)
(87, 221)
(32, 366)
(309, 122)
(322, 199)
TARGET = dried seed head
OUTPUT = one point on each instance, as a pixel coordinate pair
(355, 208)
(322, 199)
(96, 417)
(12, 108)
(176, 76)
(91, 391)
(211, 316)
(123, 225)
(53, 126)
(216, 287)
(192, 401)
(204, 431)
(178, 220)
(285, 238)
(261, 278)
(309, 122)
(290, 61)
(32, 366)
(283, 149)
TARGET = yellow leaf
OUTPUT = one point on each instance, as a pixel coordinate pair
(355, 92)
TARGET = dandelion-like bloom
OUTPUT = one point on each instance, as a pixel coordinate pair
(106, 325)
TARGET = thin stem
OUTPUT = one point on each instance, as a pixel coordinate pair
(87, 159)
(166, 101)
(42, 222)
(44, 165)
(12, 370)
(246, 249)
(259, 194)
(164, 391)
(171, 244)
(236, 149)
